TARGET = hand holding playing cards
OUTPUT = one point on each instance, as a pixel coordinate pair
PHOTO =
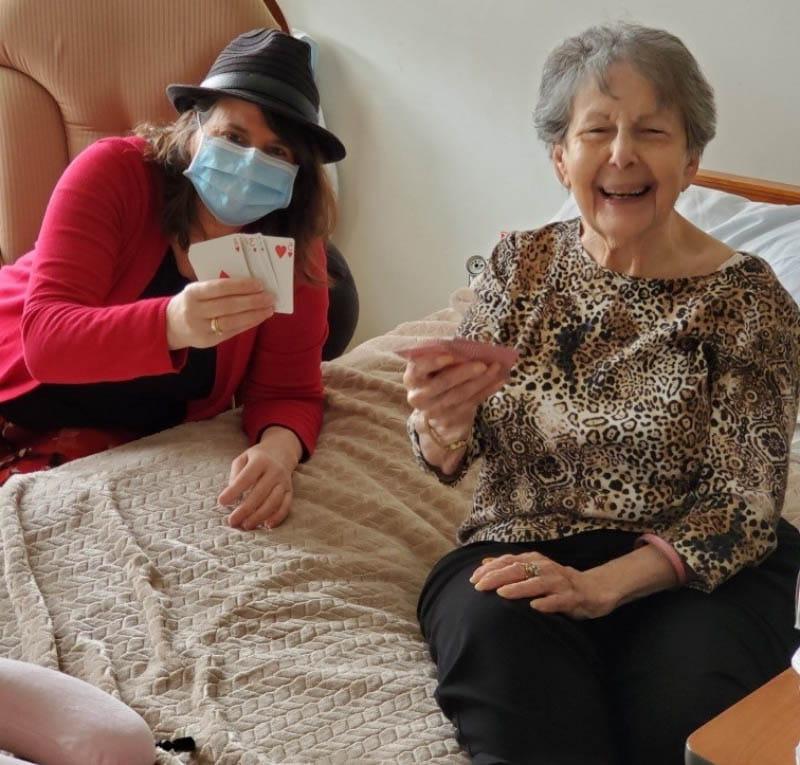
(204, 314)
(446, 390)
(269, 259)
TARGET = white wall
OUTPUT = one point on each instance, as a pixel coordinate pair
(433, 99)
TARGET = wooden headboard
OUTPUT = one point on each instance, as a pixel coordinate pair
(752, 188)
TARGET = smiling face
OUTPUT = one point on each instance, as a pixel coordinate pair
(243, 123)
(625, 159)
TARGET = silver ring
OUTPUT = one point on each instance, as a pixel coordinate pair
(531, 570)
(215, 328)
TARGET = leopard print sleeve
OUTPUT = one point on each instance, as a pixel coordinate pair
(729, 519)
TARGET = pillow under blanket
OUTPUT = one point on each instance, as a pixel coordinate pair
(51, 718)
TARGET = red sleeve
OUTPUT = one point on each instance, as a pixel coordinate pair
(283, 385)
(100, 209)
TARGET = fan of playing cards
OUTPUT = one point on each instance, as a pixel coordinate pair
(270, 259)
(467, 350)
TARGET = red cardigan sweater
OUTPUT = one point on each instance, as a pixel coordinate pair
(70, 310)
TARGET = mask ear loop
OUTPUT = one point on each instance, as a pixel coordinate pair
(202, 115)
(199, 122)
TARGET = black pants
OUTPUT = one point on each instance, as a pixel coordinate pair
(523, 687)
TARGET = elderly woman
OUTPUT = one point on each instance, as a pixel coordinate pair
(104, 323)
(624, 573)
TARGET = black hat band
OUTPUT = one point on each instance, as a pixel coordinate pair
(267, 86)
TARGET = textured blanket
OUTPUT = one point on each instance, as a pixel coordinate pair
(297, 645)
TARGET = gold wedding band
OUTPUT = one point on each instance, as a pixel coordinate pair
(215, 328)
(531, 570)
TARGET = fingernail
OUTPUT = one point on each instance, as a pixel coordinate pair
(473, 579)
(486, 560)
(443, 360)
(480, 586)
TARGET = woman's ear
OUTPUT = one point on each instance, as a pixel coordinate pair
(690, 171)
(560, 165)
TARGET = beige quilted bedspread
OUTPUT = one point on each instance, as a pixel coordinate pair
(298, 645)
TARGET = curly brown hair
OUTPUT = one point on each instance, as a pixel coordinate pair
(311, 215)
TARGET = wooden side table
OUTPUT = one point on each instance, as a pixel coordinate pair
(762, 729)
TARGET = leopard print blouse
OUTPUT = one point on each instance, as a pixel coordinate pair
(649, 405)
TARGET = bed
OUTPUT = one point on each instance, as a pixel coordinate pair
(296, 645)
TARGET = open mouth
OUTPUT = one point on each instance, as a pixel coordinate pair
(625, 193)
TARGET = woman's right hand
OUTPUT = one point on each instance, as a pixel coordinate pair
(229, 306)
(447, 391)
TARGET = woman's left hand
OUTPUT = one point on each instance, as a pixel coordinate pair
(261, 483)
(552, 588)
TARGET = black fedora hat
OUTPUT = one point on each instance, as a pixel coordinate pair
(271, 69)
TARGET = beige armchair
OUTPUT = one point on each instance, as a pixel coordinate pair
(73, 71)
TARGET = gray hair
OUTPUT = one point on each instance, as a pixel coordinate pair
(657, 55)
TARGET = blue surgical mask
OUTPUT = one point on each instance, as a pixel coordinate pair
(239, 185)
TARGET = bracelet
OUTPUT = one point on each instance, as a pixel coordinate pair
(452, 446)
(668, 551)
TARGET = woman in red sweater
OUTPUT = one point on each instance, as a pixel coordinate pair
(104, 324)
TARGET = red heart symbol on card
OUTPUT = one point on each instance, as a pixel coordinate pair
(280, 250)
(223, 275)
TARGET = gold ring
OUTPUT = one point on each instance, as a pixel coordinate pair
(215, 328)
(531, 570)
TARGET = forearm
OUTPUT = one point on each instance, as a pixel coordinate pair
(69, 343)
(642, 572)
(301, 415)
(283, 445)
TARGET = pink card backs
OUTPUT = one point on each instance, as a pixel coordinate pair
(469, 350)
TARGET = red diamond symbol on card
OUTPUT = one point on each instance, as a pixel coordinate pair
(223, 275)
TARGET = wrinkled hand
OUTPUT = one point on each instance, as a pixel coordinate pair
(555, 589)
(236, 304)
(448, 390)
(261, 483)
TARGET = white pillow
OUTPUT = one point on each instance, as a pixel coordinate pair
(769, 230)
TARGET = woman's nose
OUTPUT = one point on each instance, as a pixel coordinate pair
(623, 150)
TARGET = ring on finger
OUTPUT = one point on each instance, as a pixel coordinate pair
(215, 327)
(531, 570)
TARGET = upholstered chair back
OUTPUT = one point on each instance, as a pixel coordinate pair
(73, 71)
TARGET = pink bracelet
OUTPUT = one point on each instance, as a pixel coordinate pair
(669, 553)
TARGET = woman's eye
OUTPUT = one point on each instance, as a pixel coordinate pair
(278, 151)
(234, 138)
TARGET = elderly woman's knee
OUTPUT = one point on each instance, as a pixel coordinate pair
(508, 628)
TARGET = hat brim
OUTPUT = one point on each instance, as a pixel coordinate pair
(184, 97)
